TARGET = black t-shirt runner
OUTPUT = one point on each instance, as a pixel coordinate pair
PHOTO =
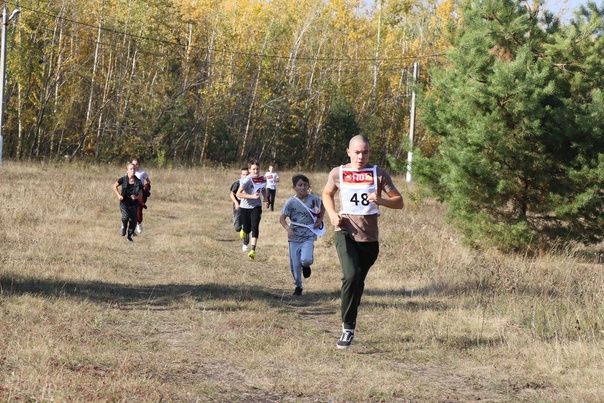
(235, 188)
(131, 189)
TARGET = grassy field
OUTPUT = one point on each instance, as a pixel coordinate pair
(181, 314)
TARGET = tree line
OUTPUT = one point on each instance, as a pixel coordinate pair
(511, 111)
(214, 81)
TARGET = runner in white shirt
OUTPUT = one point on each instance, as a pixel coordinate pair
(272, 179)
(143, 176)
(251, 189)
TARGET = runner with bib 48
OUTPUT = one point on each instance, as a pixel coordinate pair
(361, 187)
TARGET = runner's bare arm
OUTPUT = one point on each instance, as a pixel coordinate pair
(394, 199)
(115, 186)
(319, 221)
(329, 204)
(234, 200)
(242, 195)
(283, 222)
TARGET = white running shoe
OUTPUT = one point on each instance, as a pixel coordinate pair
(244, 248)
(139, 228)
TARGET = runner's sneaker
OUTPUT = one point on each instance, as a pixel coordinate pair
(130, 238)
(123, 230)
(346, 339)
(241, 234)
(244, 248)
(252, 254)
(306, 272)
(298, 291)
(139, 228)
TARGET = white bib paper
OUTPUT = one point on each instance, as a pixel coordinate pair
(320, 231)
(355, 187)
(259, 184)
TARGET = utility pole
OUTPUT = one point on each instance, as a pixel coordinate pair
(412, 121)
(5, 20)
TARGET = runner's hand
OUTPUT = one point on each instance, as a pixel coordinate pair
(374, 198)
(336, 220)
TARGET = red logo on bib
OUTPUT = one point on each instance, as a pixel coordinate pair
(357, 177)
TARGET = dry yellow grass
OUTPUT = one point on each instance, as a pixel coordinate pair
(182, 315)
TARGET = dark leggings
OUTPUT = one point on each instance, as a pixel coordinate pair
(271, 198)
(250, 220)
(356, 258)
(236, 219)
(129, 216)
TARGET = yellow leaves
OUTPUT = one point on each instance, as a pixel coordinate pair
(347, 27)
(444, 10)
(446, 13)
(196, 10)
(342, 16)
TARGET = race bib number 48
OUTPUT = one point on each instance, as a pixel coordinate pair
(355, 187)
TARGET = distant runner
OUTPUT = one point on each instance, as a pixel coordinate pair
(272, 179)
(251, 190)
(143, 176)
(236, 210)
(129, 197)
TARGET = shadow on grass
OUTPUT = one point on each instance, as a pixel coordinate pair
(410, 306)
(233, 297)
(164, 296)
(590, 256)
(150, 295)
(487, 287)
(432, 289)
(227, 240)
(454, 342)
(469, 342)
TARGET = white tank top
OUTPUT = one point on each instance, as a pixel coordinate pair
(355, 186)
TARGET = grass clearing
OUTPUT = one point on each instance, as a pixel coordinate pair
(182, 314)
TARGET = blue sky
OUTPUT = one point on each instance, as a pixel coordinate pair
(565, 8)
(562, 8)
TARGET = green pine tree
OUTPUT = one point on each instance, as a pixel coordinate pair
(520, 156)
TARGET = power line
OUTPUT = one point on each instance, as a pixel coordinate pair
(236, 62)
(231, 51)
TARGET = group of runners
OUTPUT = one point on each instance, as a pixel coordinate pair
(363, 188)
(135, 188)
